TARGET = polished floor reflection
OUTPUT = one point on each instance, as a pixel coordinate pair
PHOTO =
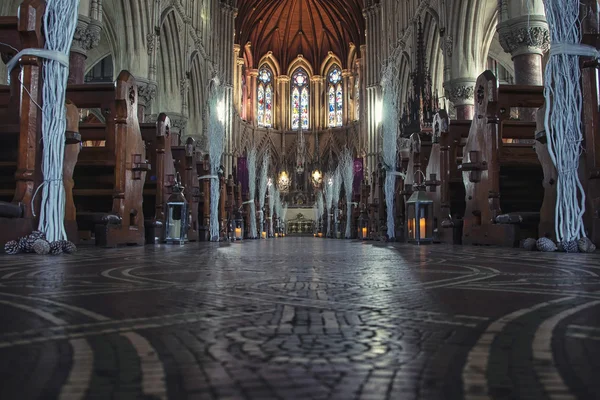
(300, 318)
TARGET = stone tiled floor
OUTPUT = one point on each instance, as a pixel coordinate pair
(300, 318)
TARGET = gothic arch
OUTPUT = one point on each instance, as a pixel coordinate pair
(272, 62)
(329, 62)
(196, 97)
(300, 62)
(433, 53)
(170, 73)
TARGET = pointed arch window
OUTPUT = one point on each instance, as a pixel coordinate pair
(264, 97)
(300, 99)
(335, 97)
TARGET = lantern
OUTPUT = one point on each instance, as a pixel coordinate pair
(363, 225)
(238, 226)
(419, 217)
(177, 215)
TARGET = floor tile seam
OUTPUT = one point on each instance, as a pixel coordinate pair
(533, 292)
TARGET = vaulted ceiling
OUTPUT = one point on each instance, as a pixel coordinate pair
(292, 27)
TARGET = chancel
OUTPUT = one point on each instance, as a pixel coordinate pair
(299, 199)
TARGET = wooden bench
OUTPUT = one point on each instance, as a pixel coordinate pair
(110, 177)
(443, 178)
(160, 178)
(20, 150)
(501, 171)
(185, 156)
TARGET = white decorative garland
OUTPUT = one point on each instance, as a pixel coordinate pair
(336, 188)
(262, 189)
(347, 171)
(391, 95)
(328, 191)
(563, 114)
(271, 190)
(252, 190)
(216, 143)
(60, 21)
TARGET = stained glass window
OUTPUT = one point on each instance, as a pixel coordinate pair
(335, 96)
(300, 99)
(331, 104)
(264, 112)
(269, 106)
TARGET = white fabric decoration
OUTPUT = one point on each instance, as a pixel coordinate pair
(252, 190)
(563, 115)
(346, 167)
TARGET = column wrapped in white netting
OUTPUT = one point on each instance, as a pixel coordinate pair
(216, 146)
(346, 167)
(563, 95)
(262, 189)
(60, 21)
(252, 191)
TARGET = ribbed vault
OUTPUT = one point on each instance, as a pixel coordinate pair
(308, 27)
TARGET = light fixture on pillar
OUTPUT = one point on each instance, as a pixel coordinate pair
(317, 178)
(283, 182)
(419, 213)
(221, 111)
(363, 225)
(177, 215)
(238, 226)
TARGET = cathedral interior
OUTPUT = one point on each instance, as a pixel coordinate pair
(300, 199)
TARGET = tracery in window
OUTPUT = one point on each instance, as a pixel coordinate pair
(264, 96)
(300, 99)
(335, 97)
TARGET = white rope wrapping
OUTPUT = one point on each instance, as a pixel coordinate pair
(61, 58)
(262, 188)
(216, 144)
(319, 205)
(278, 204)
(391, 95)
(204, 177)
(328, 197)
(335, 201)
(252, 190)
(60, 20)
(271, 208)
(347, 171)
(563, 114)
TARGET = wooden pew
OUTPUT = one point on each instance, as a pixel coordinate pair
(444, 179)
(160, 178)
(548, 208)
(185, 164)
(109, 179)
(501, 171)
(20, 134)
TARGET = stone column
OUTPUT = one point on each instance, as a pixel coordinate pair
(346, 78)
(460, 92)
(251, 81)
(317, 119)
(146, 94)
(523, 33)
(86, 37)
(372, 72)
(283, 84)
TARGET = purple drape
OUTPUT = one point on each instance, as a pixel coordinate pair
(242, 173)
(358, 175)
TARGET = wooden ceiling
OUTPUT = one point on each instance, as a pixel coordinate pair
(292, 27)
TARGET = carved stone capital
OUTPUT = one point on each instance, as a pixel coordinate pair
(184, 86)
(447, 44)
(87, 35)
(527, 34)
(146, 91)
(460, 91)
(178, 122)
